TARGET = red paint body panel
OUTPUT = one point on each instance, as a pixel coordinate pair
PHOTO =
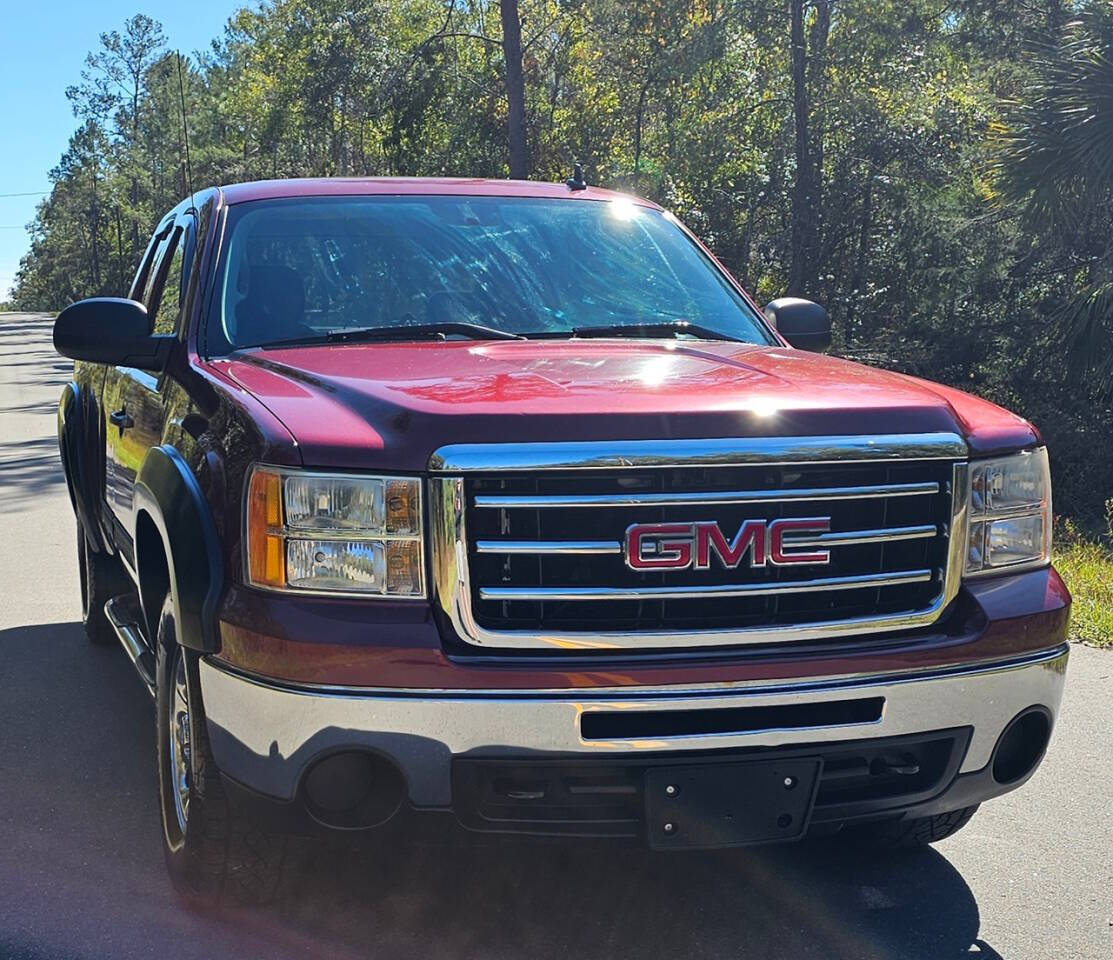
(391, 405)
(338, 642)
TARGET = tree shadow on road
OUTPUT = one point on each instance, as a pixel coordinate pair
(29, 469)
(71, 714)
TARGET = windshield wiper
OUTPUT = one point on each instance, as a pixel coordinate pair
(402, 332)
(656, 328)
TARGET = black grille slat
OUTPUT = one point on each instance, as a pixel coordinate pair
(651, 724)
(593, 523)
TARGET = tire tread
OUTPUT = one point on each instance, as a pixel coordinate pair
(104, 579)
(226, 858)
(918, 831)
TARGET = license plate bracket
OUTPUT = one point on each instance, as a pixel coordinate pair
(708, 805)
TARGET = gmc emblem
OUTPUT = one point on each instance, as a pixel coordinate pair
(678, 546)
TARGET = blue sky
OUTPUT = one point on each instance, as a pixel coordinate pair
(44, 48)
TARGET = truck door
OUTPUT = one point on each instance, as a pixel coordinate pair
(113, 392)
(133, 399)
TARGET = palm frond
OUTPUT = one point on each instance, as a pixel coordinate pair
(1087, 324)
(1055, 151)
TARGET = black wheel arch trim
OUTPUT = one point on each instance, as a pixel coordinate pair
(77, 465)
(167, 491)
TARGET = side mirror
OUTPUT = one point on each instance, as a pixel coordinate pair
(802, 323)
(111, 330)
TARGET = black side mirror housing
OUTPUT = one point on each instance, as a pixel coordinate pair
(802, 323)
(114, 331)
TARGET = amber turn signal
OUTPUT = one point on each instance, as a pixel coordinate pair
(265, 547)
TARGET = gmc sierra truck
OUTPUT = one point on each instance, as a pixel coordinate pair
(504, 502)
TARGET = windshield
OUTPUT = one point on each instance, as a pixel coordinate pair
(309, 268)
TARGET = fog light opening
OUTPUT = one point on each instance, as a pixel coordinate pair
(353, 790)
(1022, 745)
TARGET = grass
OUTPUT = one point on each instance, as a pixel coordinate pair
(1087, 568)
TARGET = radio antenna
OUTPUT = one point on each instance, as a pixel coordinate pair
(185, 129)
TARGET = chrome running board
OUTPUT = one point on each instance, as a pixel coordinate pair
(125, 620)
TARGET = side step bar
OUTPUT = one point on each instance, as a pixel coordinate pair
(126, 620)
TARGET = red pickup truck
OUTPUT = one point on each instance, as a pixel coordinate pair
(503, 502)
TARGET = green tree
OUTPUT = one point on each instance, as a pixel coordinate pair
(937, 175)
(1056, 166)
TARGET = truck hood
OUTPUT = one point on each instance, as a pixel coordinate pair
(391, 405)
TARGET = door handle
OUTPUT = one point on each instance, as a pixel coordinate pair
(121, 419)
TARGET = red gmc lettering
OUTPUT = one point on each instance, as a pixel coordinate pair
(673, 546)
(778, 548)
(677, 546)
(750, 536)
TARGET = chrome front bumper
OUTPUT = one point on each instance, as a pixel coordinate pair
(264, 734)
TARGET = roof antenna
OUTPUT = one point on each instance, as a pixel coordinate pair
(185, 131)
(576, 181)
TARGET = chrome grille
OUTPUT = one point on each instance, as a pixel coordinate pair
(535, 557)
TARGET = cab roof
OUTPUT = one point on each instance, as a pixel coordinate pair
(414, 186)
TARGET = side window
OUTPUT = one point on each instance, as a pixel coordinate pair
(163, 292)
(165, 318)
(154, 270)
(142, 281)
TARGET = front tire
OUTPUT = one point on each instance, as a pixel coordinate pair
(213, 853)
(101, 578)
(917, 832)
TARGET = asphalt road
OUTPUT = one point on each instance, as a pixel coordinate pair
(81, 871)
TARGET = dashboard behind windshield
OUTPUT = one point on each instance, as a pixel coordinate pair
(296, 269)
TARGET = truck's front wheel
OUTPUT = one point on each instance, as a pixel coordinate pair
(916, 832)
(213, 853)
(101, 578)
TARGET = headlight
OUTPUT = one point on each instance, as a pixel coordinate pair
(334, 533)
(1010, 514)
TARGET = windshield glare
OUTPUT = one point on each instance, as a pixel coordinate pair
(304, 268)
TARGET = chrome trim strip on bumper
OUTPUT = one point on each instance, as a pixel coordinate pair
(264, 734)
(667, 691)
(612, 454)
(861, 582)
(710, 496)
